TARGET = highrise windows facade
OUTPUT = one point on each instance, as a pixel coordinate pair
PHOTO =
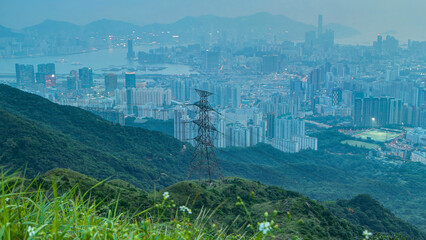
(85, 76)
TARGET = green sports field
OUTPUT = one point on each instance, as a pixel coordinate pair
(378, 135)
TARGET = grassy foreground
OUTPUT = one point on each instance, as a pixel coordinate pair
(31, 212)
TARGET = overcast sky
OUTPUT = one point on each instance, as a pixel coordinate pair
(406, 17)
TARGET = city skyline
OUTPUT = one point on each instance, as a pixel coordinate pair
(402, 19)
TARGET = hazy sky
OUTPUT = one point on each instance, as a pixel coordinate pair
(406, 17)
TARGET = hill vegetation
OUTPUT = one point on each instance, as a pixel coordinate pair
(48, 135)
(42, 136)
(366, 211)
(75, 205)
(338, 172)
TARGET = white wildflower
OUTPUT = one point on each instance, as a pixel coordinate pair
(31, 231)
(7, 200)
(166, 195)
(265, 227)
(366, 234)
(185, 209)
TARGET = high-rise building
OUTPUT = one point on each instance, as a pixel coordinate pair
(378, 44)
(270, 125)
(220, 140)
(314, 82)
(347, 97)
(327, 38)
(130, 80)
(48, 68)
(85, 76)
(296, 87)
(306, 142)
(421, 97)
(238, 135)
(336, 96)
(211, 61)
(179, 124)
(270, 64)
(46, 74)
(44, 70)
(395, 111)
(376, 112)
(390, 44)
(236, 96)
(287, 127)
(71, 83)
(179, 90)
(184, 129)
(130, 51)
(285, 145)
(24, 74)
(49, 80)
(110, 82)
(310, 39)
(319, 25)
(148, 96)
(256, 135)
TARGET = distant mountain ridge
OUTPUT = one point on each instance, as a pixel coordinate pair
(7, 32)
(257, 25)
(52, 27)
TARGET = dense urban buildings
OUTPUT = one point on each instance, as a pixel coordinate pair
(24, 74)
(268, 91)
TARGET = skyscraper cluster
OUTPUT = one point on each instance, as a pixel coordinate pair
(24, 74)
(46, 74)
(377, 112)
(320, 38)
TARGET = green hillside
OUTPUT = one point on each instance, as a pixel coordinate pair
(48, 135)
(308, 219)
(26, 144)
(366, 211)
(297, 215)
(40, 136)
(130, 198)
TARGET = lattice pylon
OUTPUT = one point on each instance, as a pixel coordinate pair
(204, 163)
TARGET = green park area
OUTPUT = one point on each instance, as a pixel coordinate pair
(361, 144)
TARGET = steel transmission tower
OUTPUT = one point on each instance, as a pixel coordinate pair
(204, 162)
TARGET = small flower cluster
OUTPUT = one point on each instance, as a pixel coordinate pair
(265, 227)
(185, 209)
(166, 195)
(366, 234)
(31, 231)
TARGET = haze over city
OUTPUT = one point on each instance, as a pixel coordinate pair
(195, 119)
(405, 19)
